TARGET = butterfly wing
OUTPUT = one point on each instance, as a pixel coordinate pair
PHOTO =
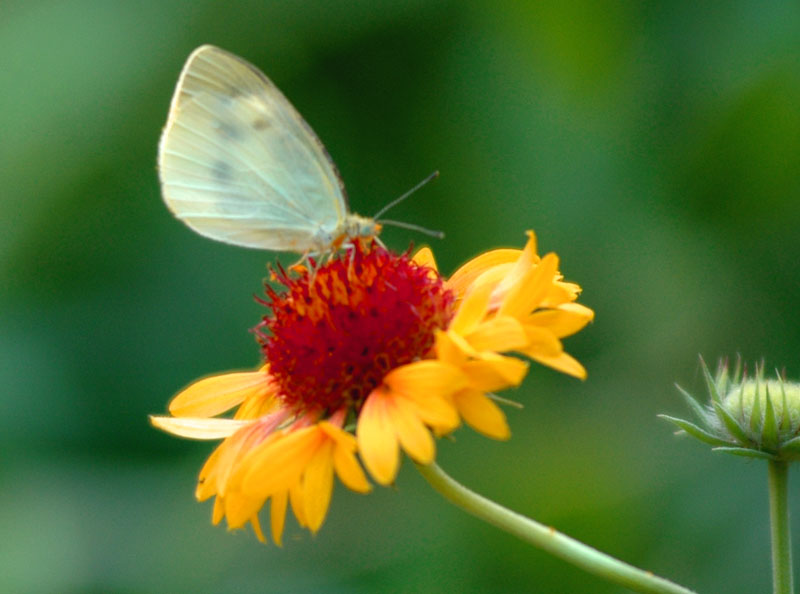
(238, 163)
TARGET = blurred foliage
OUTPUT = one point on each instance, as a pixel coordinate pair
(655, 146)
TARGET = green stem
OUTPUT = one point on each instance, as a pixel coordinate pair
(547, 538)
(779, 528)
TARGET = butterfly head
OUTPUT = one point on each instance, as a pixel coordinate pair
(357, 226)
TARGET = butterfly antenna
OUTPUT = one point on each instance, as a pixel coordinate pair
(413, 227)
(397, 201)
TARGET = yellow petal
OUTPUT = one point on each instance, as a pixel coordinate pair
(528, 293)
(436, 411)
(276, 465)
(482, 414)
(452, 348)
(257, 405)
(344, 460)
(563, 363)
(318, 486)
(471, 311)
(500, 334)
(377, 442)
(342, 439)
(233, 449)
(431, 377)
(497, 278)
(495, 372)
(207, 481)
(298, 503)
(214, 395)
(349, 471)
(257, 528)
(424, 257)
(277, 515)
(541, 343)
(568, 319)
(414, 437)
(198, 428)
(219, 510)
(240, 508)
(528, 258)
(560, 293)
(529, 255)
(463, 278)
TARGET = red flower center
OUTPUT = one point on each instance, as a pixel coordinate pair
(336, 332)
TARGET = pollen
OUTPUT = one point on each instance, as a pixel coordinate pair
(333, 333)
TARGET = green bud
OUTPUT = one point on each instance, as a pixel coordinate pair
(753, 417)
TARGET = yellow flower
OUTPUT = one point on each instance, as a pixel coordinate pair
(370, 355)
(518, 291)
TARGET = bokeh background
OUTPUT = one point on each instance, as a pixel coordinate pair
(654, 146)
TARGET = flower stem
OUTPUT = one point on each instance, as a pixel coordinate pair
(547, 538)
(779, 528)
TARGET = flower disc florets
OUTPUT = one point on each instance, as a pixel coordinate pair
(334, 332)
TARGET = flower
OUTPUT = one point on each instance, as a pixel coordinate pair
(369, 354)
(753, 417)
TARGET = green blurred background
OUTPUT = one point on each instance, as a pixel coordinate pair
(654, 146)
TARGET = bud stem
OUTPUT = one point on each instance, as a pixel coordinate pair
(779, 521)
(549, 539)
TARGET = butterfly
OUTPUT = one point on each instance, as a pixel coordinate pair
(238, 163)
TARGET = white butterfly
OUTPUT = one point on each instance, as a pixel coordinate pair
(238, 163)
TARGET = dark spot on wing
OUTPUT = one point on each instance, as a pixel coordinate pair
(222, 171)
(230, 95)
(260, 124)
(229, 130)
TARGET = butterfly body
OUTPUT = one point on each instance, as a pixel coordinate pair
(239, 164)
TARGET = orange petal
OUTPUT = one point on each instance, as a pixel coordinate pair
(214, 395)
(482, 414)
(198, 428)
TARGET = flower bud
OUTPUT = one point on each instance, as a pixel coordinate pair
(753, 417)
